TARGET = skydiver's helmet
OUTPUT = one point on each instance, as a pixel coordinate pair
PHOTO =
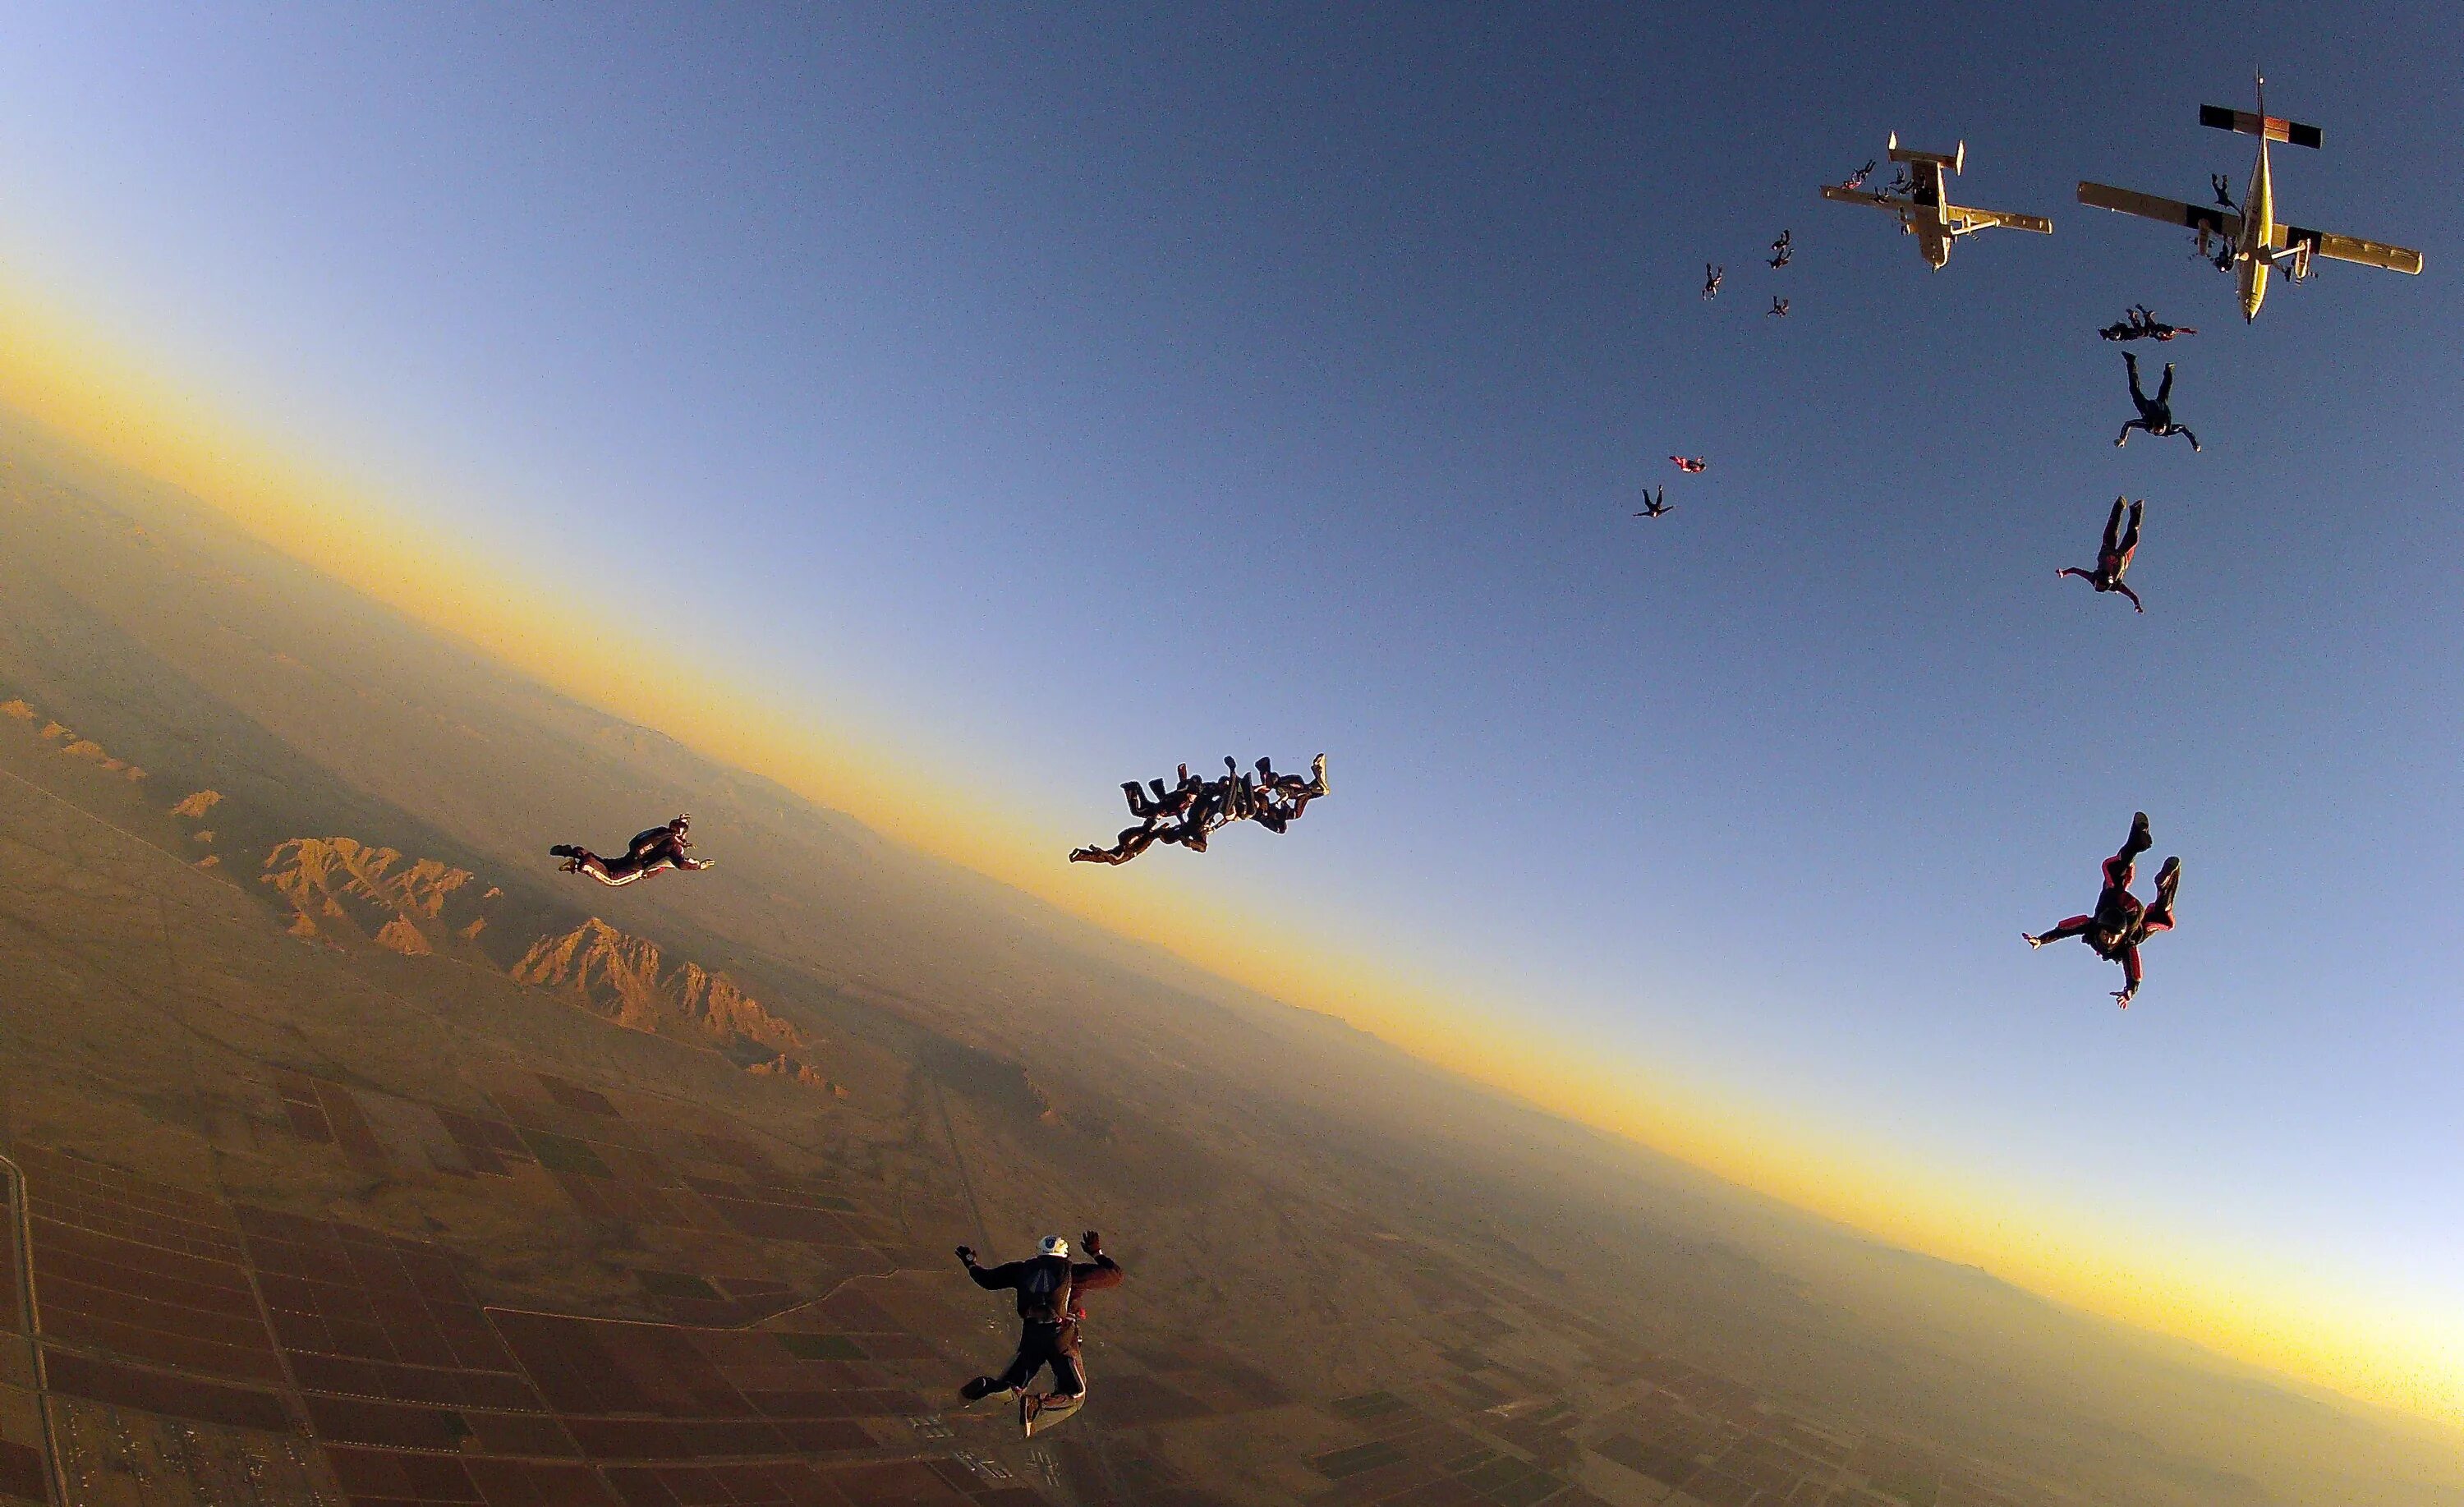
(1054, 1245)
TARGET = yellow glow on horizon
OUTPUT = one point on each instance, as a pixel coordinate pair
(52, 370)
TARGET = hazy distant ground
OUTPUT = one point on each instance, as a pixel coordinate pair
(1313, 1222)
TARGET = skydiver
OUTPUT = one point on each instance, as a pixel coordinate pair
(1051, 1293)
(649, 851)
(1169, 802)
(1857, 178)
(2120, 923)
(2113, 561)
(1781, 250)
(1283, 797)
(1711, 276)
(2223, 188)
(2157, 329)
(2139, 322)
(1902, 184)
(1779, 306)
(1656, 504)
(2155, 414)
(1693, 467)
(1128, 844)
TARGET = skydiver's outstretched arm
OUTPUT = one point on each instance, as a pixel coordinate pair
(2130, 976)
(2087, 575)
(2123, 438)
(2184, 430)
(2124, 589)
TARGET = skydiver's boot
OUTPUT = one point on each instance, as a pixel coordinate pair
(2168, 879)
(2140, 839)
(1029, 1404)
(1317, 775)
(564, 850)
(982, 1388)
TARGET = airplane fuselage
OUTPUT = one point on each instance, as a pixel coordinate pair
(1928, 213)
(2257, 231)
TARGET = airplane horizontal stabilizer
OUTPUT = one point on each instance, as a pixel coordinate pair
(1949, 160)
(2169, 212)
(2347, 249)
(1966, 219)
(2275, 128)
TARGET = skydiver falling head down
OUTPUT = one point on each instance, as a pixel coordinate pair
(2120, 923)
(2155, 414)
(2113, 561)
(2223, 188)
(1711, 276)
(1782, 249)
(649, 851)
(1051, 1290)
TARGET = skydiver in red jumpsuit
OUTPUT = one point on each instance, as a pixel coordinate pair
(2120, 923)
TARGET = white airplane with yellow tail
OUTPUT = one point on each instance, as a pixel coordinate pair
(2260, 242)
(1925, 210)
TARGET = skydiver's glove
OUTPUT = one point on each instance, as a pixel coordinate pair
(1091, 1243)
(967, 1254)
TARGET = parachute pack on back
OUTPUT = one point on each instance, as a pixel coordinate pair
(1044, 1290)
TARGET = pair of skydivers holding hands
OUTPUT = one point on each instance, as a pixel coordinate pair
(1194, 808)
(1050, 1289)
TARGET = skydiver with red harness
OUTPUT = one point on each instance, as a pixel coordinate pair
(2120, 923)
(2113, 561)
(1051, 1290)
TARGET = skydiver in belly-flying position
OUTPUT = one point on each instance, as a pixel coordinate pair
(2155, 414)
(1281, 798)
(2120, 923)
(2138, 323)
(649, 851)
(2113, 561)
(1050, 1291)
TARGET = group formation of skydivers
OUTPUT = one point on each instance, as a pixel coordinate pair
(1194, 808)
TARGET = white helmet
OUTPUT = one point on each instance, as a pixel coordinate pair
(1054, 1245)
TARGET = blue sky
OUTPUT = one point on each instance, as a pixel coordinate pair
(1064, 396)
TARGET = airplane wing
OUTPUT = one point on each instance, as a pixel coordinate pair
(1860, 196)
(1963, 219)
(2345, 248)
(2169, 212)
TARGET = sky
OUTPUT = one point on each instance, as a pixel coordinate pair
(1036, 398)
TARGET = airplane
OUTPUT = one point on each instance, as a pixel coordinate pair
(1925, 210)
(2258, 242)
